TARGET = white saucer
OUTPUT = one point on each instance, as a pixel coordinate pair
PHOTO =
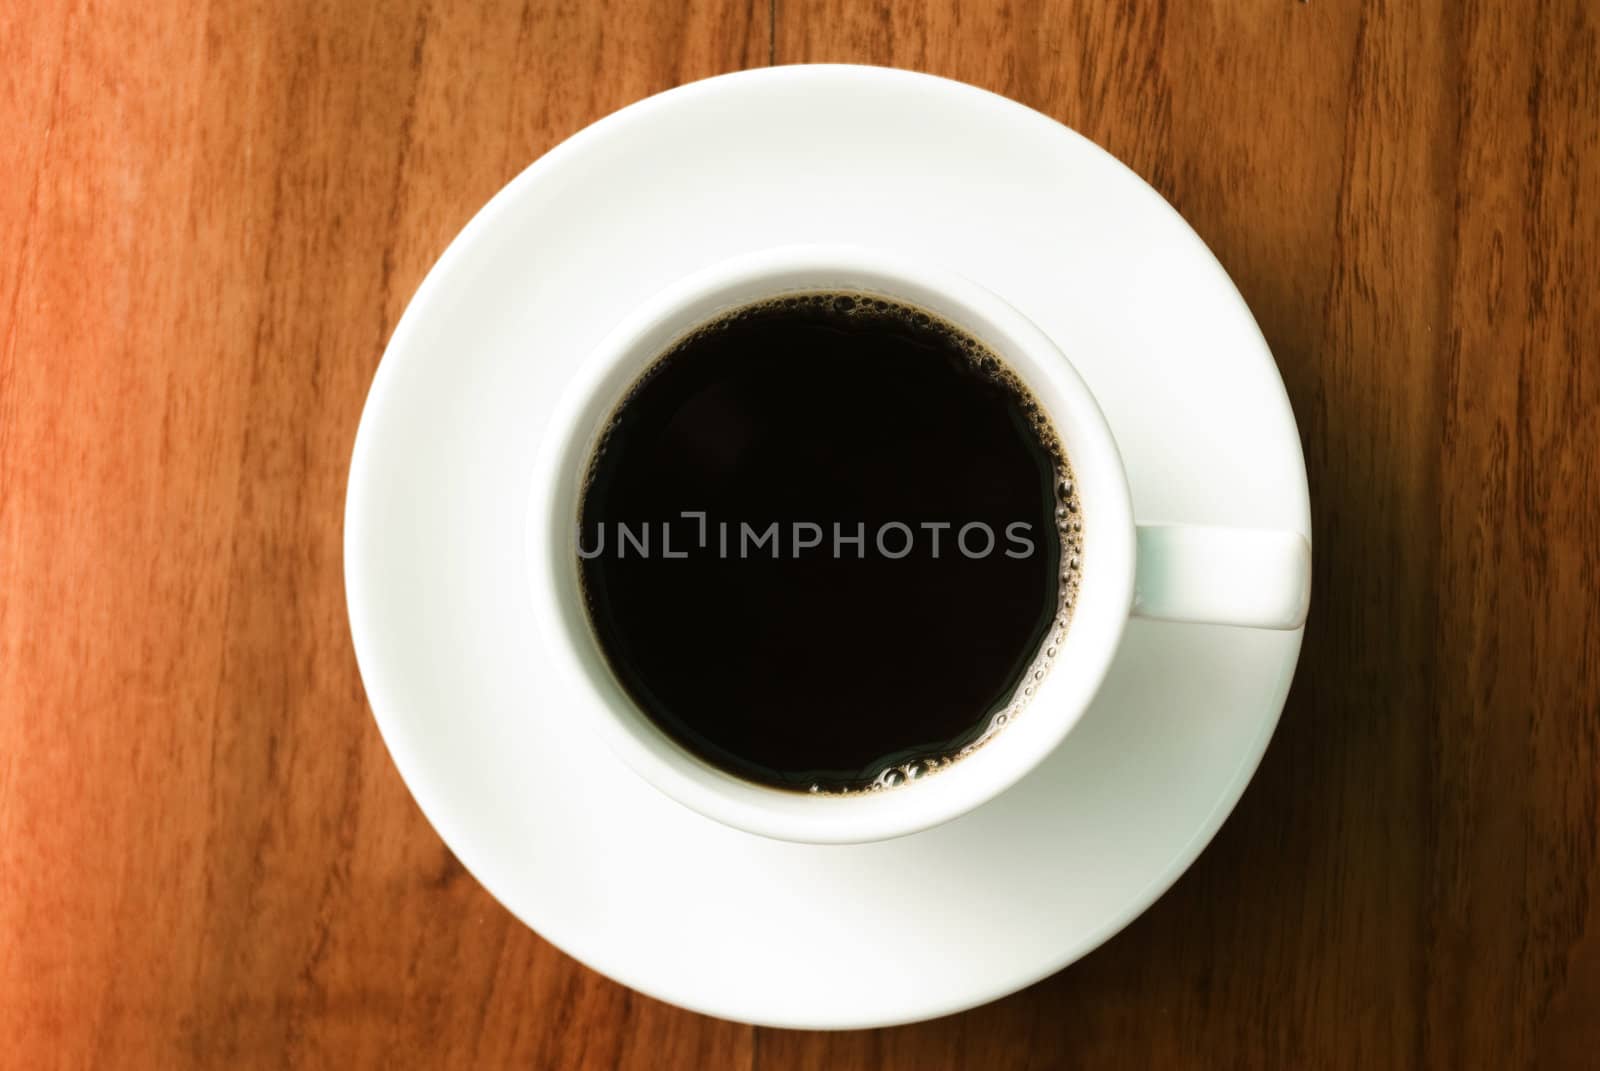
(537, 809)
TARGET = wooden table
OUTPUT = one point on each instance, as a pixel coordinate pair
(210, 217)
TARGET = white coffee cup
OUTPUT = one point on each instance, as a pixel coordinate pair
(1245, 577)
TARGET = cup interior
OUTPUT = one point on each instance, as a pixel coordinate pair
(579, 668)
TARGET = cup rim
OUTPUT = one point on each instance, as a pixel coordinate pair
(590, 691)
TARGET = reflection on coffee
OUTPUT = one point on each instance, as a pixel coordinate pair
(829, 542)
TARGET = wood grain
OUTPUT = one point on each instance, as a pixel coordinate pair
(210, 218)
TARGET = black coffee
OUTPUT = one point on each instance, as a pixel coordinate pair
(828, 542)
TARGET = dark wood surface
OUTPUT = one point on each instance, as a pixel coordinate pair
(211, 215)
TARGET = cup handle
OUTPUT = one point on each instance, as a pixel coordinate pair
(1252, 577)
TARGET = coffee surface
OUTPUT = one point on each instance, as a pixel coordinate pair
(827, 542)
